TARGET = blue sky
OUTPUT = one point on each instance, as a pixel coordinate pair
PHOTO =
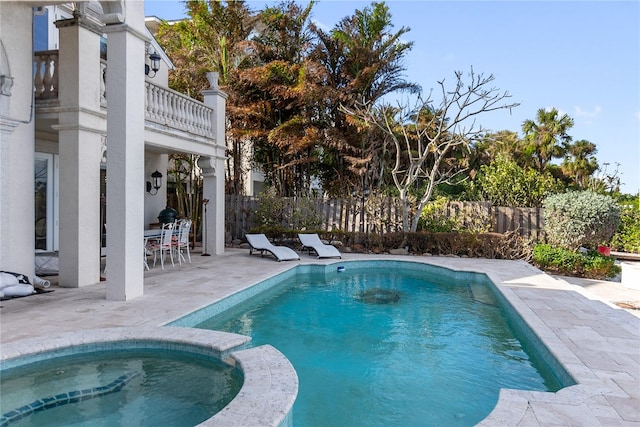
(581, 57)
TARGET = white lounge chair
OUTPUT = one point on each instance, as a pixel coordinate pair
(313, 242)
(259, 242)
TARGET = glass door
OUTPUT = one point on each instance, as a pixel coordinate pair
(46, 221)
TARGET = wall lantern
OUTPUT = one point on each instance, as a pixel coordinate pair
(157, 183)
(155, 64)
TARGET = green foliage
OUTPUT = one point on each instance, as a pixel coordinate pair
(304, 215)
(546, 138)
(580, 218)
(598, 266)
(563, 261)
(504, 183)
(271, 208)
(434, 217)
(627, 236)
(297, 214)
(474, 245)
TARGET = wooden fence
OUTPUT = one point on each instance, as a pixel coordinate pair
(381, 217)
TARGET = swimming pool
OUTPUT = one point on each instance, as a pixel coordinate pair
(378, 344)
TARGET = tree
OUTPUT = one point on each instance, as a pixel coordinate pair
(504, 183)
(483, 152)
(363, 61)
(276, 96)
(424, 136)
(213, 38)
(580, 162)
(547, 138)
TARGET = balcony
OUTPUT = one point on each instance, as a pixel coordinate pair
(164, 108)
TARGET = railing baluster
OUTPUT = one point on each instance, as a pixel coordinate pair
(38, 77)
(163, 106)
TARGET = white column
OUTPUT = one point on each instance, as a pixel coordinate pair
(213, 168)
(125, 154)
(16, 140)
(80, 131)
(213, 190)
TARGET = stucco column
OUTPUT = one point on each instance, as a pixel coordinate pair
(80, 131)
(213, 168)
(125, 154)
(213, 190)
(16, 139)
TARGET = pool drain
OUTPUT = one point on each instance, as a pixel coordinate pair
(379, 296)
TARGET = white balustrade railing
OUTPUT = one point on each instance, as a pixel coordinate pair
(45, 79)
(170, 108)
(163, 106)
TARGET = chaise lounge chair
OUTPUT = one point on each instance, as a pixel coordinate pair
(259, 242)
(312, 242)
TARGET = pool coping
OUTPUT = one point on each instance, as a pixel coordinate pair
(596, 345)
(596, 342)
(568, 405)
(270, 383)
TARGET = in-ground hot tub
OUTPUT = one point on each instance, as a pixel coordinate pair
(238, 388)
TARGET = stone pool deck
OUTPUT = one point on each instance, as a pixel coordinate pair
(597, 342)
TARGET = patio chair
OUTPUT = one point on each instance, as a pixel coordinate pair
(259, 242)
(163, 245)
(311, 242)
(181, 242)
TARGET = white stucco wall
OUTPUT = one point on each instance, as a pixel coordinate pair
(17, 145)
(154, 203)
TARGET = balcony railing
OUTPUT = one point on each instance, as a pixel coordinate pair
(173, 109)
(45, 74)
(163, 106)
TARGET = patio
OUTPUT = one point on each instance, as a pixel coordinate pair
(597, 342)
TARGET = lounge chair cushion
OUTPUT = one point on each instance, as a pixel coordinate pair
(259, 242)
(313, 241)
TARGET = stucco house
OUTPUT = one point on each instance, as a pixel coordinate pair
(86, 116)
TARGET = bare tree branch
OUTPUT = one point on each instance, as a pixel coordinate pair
(425, 136)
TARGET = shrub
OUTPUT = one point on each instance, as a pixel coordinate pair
(434, 217)
(598, 266)
(473, 245)
(304, 215)
(504, 183)
(580, 218)
(271, 209)
(627, 237)
(274, 211)
(592, 264)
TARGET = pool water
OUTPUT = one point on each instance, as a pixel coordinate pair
(389, 346)
(127, 387)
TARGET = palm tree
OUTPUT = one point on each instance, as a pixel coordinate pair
(547, 138)
(363, 61)
(213, 38)
(580, 162)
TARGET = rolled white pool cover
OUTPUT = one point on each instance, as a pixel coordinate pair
(40, 283)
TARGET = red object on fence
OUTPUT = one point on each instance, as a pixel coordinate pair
(604, 250)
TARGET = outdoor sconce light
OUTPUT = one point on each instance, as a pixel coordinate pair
(155, 64)
(157, 183)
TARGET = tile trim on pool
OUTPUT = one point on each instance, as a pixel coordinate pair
(267, 394)
(198, 316)
(60, 399)
(516, 405)
(538, 349)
